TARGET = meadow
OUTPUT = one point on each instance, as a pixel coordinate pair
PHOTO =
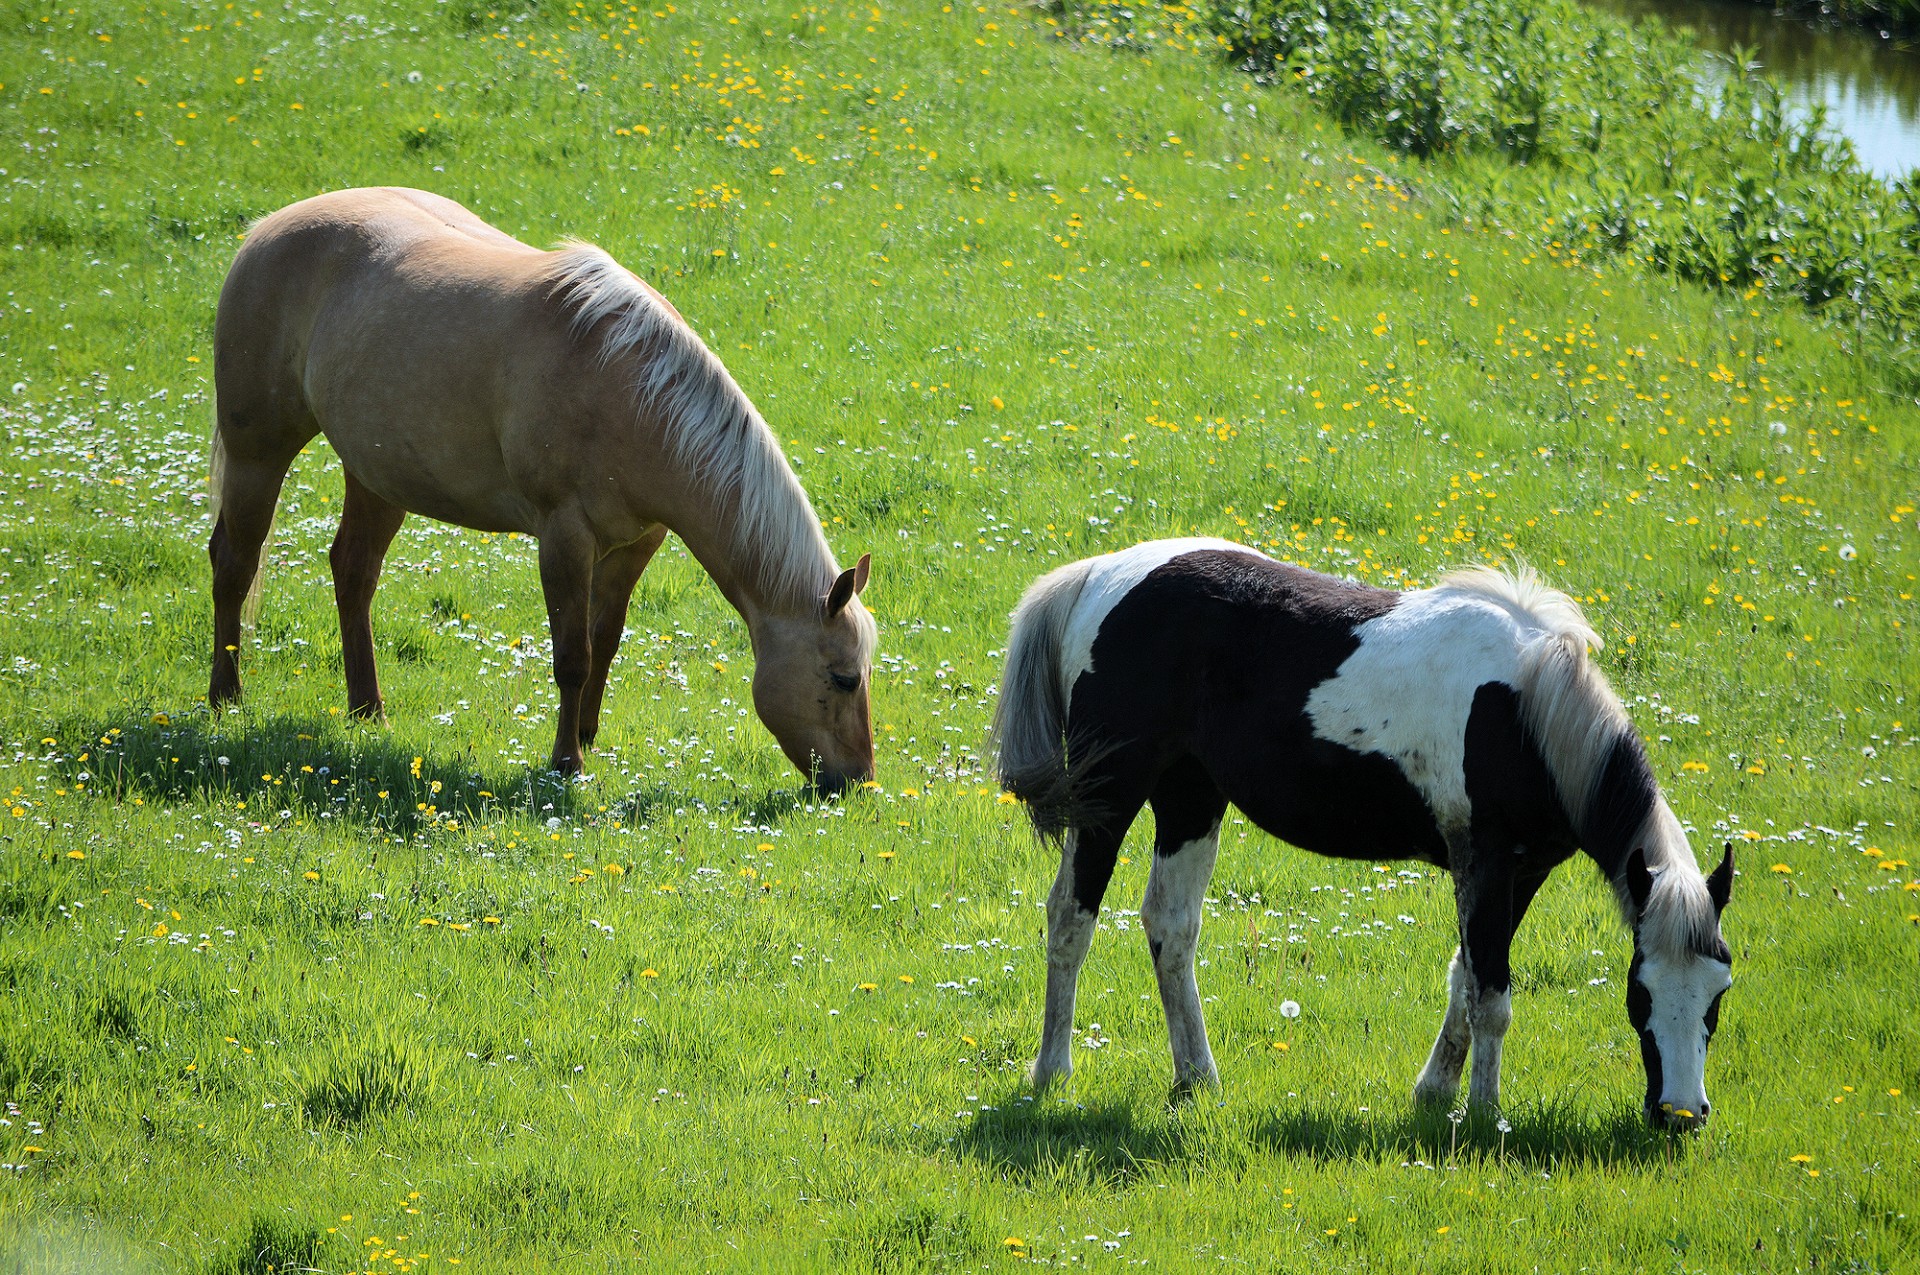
(285, 991)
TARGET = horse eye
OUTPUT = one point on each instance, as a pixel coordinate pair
(847, 683)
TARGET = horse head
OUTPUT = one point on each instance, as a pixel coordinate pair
(810, 680)
(1681, 967)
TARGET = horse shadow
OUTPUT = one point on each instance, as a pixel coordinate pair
(1533, 1137)
(274, 768)
(1054, 1143)
(1039, 1141)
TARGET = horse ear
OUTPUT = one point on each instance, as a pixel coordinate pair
(1720, 884)
(1639, 880)
(851, 581)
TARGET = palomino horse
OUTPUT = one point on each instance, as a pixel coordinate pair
(1463, 724)
(463, 375)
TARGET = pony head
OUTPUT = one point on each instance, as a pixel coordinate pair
(810, 678)
(1681, 967)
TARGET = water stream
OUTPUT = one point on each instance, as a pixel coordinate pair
(1870, 85)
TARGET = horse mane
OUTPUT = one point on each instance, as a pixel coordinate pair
(713, 428)
(1598, 762)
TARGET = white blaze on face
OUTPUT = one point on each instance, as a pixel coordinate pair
(1682, 991)
(1112, 577)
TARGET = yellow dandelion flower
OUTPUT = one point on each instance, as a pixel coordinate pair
(906, 978)
(869, 987)
(428, 921)
(649, 972)
(614, 869)
(1782, 869)
(310, 876)
(76, 854)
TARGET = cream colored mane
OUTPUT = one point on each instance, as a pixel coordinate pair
(713, 428)
(1576, 719)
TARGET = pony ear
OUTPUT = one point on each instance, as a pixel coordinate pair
(851, 581)
(1639, 880)
(1720, 884)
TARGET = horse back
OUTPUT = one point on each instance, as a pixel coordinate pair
(1345, 719)
(431, 348)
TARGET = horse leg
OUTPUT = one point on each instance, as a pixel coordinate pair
(1489, 1015)
(1440, 1078)
(567, 553)
(1087, 857)
(614, 577)
(1480, 981)
(368, 525)
(249, 490)
(1187, 807)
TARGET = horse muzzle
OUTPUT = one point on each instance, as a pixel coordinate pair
(1666, 1115)
(831, 783)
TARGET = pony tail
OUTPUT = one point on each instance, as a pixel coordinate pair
(216, 484)
(1030, 721)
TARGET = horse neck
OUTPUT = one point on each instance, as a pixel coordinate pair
(1627, 812)
(1624, 810)
(750, 525)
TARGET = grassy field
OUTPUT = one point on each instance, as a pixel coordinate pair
(283, 991)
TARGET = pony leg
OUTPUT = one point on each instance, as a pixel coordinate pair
(1489, 939)
(1440, 1078)
(247, 491)
(566, 578)
(614, 577)
(1187, 809)
(368, 525)
(1073, 910)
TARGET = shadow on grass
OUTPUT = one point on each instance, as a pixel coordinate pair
(332, 770)
(1535, 1137)
(1053, 1144)
(1050, 1144)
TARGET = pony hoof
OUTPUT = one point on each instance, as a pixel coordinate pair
(1187, 1088)
(1040, 1078)
(1434, 1095)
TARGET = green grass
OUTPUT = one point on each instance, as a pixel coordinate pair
(279, 990)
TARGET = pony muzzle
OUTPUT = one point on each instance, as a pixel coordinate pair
(1667, 1115)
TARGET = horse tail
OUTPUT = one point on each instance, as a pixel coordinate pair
(1030, 721)
(216, 488)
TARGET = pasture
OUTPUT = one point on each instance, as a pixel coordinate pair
(281, 989)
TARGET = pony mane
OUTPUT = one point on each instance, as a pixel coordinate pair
(1578, 723)
(1680, 919)
(712, 427)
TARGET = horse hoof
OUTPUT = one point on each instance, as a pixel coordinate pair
(1040, 1078)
